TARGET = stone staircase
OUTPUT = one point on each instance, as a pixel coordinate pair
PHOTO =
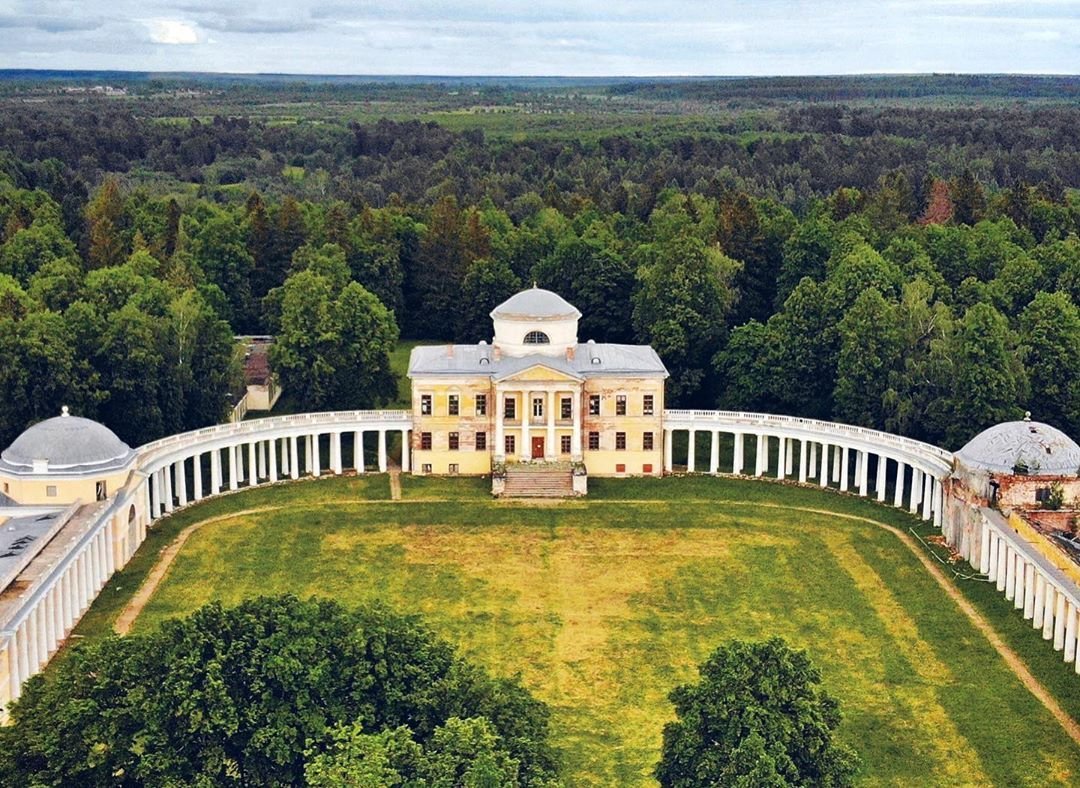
(539, 480)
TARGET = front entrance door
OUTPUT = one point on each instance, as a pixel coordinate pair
(538, 448)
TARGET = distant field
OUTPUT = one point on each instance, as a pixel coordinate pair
(604, 605)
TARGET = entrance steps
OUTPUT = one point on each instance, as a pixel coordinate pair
(539, 480)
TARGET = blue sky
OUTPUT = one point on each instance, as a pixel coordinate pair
(562, 37)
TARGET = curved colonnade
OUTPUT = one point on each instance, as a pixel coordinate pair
(181, 469)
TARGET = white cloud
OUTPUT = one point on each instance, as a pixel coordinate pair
(1042, 35)
(171, 31)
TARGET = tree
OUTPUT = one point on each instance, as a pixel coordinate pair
(219, 248)
(756, 717)
(597, 280)
(441, 268)
(681, 305)
(265, 692)
(969, 199)
(105, 215)
(1050, 341)
(988, 381)
(487, 284)
(869, 350)
(31, 248)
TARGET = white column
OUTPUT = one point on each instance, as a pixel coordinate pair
(928, 496)
(1070, 631)
(550, 450)
(916, 490)
(294, 457)
(762, 455)
(845, 468)
(335, 452)
(1019, 580)
(864, 474)
(880, 481)
(898, 490)
(156, 508)
(858, 465)
(1029, 591)
(939, 503)
(316, 460)
(525, 451)
(181, 482)
(1059, 622)
(789, 468)
(823, 471)
(406, 452)
(67, 599)
(358, 451)
(32, 642)
(836, 463)
(575, 412)
(803, 455)
(1010, 573)
(264, 455)
(235, 466)
(984, 549)
(500, 418)
(270, 444)
(167, 474)
(382, 451)
(253, 477)
(1049, 606)
(196, 476)
(690, 450)
(738, 459)
(260, 462)
(308, 455)
(1040, 595)
(781, 457)
(54, 631)
(215, 471)
(811, 471)
(23, 656)
(667, 450)
(714, 452)
(1004, 574)
(283, 447)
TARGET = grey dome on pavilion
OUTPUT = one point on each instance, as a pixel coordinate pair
(1039, 448)
(68, 444)
(535, 303)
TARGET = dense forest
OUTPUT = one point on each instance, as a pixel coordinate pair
(891, 263)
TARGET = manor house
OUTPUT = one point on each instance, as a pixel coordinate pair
(536, 394)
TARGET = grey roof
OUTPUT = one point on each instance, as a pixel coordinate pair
(70, 444)
(536, 303)
(1044, 450)
(480, 360)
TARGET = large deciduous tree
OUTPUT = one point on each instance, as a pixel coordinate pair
(265, 692)
(757, 717)
(1050, 339)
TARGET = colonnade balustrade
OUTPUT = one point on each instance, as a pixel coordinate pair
(852, 459)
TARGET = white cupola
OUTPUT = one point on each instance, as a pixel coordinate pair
(535, 321)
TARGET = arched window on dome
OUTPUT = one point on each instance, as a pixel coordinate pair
(537, 338)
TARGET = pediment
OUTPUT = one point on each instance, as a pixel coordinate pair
(539, 372)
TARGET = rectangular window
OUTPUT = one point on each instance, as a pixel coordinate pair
(647, 404)
(564, 444)
(101, 493)
(510, 408)
(425, 441)
(425, 467)
(594, 441)
(566, 408)
(620, 468)
(481, 441)
(620, 440)
(453, 467)
(620, 404)
(538, 407)
(453, 405)
(646, 441)
(50, 490)
(454, 441)
(594, 404)
(510, 444)
(425, 404)
(646, 468)
(481, 404)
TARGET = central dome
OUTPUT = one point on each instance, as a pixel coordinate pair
(66, 444)
(1027, 446)
(536, 304)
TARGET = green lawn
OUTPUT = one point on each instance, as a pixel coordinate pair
(604, 605)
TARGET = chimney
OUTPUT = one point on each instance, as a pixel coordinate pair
(450, 351)
(570, 353)
(496, 353)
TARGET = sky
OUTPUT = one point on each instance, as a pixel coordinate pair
(545, 37)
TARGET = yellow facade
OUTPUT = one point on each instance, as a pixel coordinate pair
(59, 490)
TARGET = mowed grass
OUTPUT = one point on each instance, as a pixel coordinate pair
(602, 606)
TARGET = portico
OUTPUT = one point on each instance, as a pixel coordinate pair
(540, 411)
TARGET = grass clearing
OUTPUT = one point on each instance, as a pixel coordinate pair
(604, 605)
